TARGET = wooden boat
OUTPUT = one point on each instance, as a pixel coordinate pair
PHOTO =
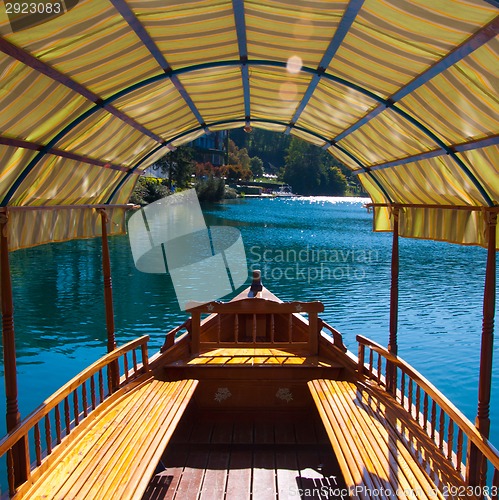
(252, 401)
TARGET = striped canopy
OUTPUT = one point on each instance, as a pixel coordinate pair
(404, 92)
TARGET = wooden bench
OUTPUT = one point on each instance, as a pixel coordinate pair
(382, 452)
(117, 452)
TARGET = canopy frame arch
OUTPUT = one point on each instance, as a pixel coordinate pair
(387, 103)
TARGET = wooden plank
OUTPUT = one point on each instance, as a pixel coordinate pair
(264, 433)
(407, 476)
(193, 474)
(104, 462)
(215, 477)
(376, 455)
(285, 433)
(313, 482)
(243, 433)
(412, 437)
(164, 484)
(201, 433)
(239, 474)
(169, 421)
(54, 479)
(305, 433)
(354, 421)
(348, 456)
(264, 474)
(106, 466)
(222, 433)
(287, 473)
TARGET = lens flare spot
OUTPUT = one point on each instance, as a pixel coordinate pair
(288, 91)
(294, 65)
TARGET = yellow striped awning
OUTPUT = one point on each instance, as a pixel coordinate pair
(404, 92)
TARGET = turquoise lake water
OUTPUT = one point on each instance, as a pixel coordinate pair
(307, 248)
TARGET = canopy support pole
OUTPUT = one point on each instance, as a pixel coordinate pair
(394, 301)
(476, 461)
(108, 287)
(108, 299)
(13, 416)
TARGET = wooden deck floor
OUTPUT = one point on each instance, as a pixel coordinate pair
(236, 456)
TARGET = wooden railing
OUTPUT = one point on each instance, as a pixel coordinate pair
(452, 433)
(337, 337)
(66, 409)
(254, 322)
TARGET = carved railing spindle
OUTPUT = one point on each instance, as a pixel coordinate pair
(10, 473)
(134, 361)
(418, 402)
(362, 356)
(450, 439)
(48, 436)
(58, 424)
(93, 397)
(425, 412)
(145, 358)
(441, 430)
(409, 396)
(378, 368)
(76, 408)
(125, 365)
(101, 387)
(433, 419)
(272, 328)
(459, 452)
(84, 399)
(371, 361)
(236, 328)
(402, 388)
(38, 444)
(67, 418)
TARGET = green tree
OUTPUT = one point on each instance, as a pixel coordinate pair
(335, 181)
(239, 163)
(311, 171)
(256, 166)
(178, 165)
(304, 168)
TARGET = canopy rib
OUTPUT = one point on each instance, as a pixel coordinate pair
(465, 146)
(33, 146)
(26, 58)
(122, 7)
(240, 23)
(126, 13)
(475, 41)
(278, 64)
(346, 22)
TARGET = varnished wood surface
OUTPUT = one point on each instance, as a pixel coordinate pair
(254, 357)
(449, 408)
(117, 454)
(379, 448)
(234, 455)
